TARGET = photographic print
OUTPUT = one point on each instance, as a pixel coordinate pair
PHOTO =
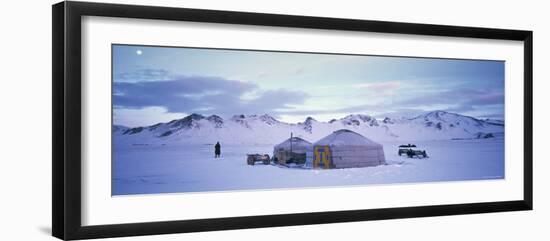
(209, 120)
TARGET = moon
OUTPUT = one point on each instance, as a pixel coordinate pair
(139, 52)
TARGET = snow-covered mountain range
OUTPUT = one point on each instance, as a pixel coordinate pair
(265, 129)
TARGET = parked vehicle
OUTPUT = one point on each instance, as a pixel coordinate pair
(411, 151)
(253, 158)
(404, 148)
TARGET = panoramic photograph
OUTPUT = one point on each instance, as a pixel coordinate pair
(191, 120)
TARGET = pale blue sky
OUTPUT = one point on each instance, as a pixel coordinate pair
(158, 84)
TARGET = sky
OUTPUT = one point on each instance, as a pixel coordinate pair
(158, 84)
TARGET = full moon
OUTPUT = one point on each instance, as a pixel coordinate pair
(139, 52)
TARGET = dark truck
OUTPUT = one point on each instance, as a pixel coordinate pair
(411, 151)
(253, 158)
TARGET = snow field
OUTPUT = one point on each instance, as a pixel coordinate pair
(171, 168)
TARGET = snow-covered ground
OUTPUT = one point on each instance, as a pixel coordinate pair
(173, 167)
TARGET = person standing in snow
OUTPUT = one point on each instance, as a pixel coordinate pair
(217, 150)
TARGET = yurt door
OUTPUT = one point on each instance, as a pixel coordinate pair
(321, 157)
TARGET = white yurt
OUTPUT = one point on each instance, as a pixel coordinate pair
(344, 149)
(294, 147)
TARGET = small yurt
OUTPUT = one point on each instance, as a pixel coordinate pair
(291, 150)
(344, 149)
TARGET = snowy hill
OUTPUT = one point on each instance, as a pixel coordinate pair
(357, 120)
(495, 122)
(265, 129)
(119, 129)
(445, 120)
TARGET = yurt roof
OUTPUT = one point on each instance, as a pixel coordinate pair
(346, 138)
(296, 142)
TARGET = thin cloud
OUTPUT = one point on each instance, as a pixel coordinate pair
(382, 86)
(456, 96)
(148, 74)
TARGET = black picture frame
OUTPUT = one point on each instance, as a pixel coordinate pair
(66, 158)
